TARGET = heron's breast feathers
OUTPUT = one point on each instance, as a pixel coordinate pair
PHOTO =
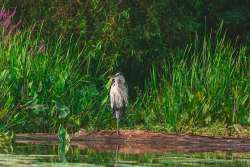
(118, 97)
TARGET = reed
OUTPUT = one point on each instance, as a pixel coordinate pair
(206, 84)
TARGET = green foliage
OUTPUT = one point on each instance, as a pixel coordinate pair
(41, 90)
(125, 35)
(202, 87)
(171, 87)
(204, 84)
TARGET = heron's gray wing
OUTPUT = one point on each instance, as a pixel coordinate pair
(125, 94)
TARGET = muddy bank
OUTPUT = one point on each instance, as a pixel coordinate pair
(131, 141)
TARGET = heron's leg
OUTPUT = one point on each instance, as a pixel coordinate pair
(116, 154)
(117, 126)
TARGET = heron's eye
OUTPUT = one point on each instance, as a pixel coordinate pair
(113, 81)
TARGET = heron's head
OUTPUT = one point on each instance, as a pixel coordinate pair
(117, 78)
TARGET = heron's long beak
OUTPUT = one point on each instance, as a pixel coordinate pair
(109, 83)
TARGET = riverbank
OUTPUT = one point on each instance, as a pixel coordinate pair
(138, 141)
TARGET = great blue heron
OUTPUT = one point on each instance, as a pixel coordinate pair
(118, 97)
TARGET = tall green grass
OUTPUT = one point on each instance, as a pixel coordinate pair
(204, 84)
(39, 91)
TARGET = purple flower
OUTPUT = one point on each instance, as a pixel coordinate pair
(2, 14)
(6, 21)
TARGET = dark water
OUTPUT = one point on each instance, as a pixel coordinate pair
(20, 155)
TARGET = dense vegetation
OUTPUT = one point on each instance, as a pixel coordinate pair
(184, 72)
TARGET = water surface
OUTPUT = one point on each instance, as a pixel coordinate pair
(53, 154)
